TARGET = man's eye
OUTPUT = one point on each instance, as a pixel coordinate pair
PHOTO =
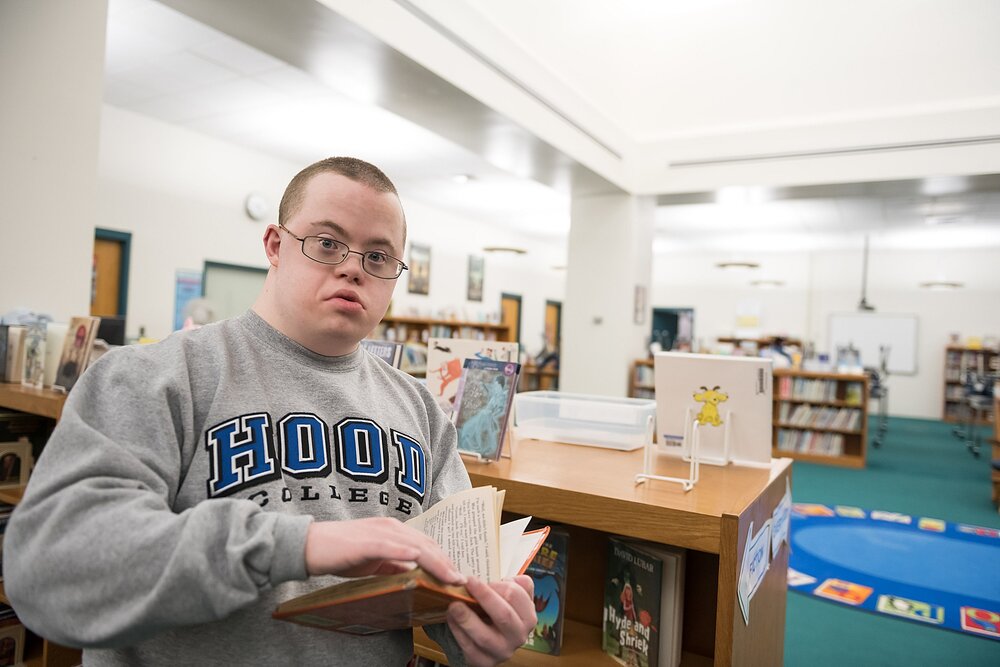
(326, 244)
(376, 257)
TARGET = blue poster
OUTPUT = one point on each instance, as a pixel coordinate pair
(187, 287)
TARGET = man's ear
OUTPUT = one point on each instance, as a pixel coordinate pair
(272, 242)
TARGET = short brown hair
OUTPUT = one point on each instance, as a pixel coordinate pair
(350, 167)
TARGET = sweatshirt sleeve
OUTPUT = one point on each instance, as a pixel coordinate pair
(95, 556)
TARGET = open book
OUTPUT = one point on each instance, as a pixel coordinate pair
(467, 526)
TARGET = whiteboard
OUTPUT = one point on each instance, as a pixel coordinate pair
(868, 331)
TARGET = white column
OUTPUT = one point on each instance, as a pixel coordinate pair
(51, 84)
(610, 255)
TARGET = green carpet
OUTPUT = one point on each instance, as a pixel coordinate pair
(923, 470)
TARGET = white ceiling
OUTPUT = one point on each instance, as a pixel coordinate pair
(717, 65)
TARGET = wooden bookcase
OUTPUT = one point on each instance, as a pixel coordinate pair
(591, 491)
(640, 379)
(422, 328)
(957, 360)
(534, 378)
(803, 399)
(38, 652)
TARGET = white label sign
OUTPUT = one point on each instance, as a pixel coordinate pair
(755, 563)
(779, 520)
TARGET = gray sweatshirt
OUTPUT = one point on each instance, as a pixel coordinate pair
(166, 518)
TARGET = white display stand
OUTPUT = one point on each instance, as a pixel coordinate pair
(691, 437)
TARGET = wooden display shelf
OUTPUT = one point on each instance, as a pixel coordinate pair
(416, 328)
(560, 483)
(44, 402)
(12, 494)
(957, 360)
(635, 387)
(855, 441)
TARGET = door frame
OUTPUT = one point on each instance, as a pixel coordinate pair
(520, 306)
(125, 238)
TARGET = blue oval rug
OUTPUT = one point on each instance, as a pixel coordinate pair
(920, 569)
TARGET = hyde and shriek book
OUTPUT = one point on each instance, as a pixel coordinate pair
(467, 526)
(643, 603)
(482, 407)
(548, 571)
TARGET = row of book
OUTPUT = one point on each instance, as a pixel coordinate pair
(803, 414)
(810, 442)
(811, 389)
(422, 333)
(644, 375)
(27, 352)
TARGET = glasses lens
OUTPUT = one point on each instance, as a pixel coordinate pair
(325, 250)
(381, 265)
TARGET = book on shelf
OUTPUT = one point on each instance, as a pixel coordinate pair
(467, 526)
(445, 359)
(548, 572)
(706, 388)
(76, 350)
(388, 351)
(482, 405)
(33, 373)
(14, 355)
(643, 603)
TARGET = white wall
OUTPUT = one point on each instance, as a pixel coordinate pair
(181, 195)
(51, 67)
(821, 283)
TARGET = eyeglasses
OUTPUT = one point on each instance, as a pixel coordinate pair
(325, 250)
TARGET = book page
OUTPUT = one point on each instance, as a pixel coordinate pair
(466, 525)
(510, 533)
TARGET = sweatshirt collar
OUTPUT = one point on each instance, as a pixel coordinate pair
(257, 327)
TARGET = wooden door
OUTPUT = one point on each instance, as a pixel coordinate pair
(109, 277)
(510, 315)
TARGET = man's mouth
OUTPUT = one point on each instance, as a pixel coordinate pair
(347, 295)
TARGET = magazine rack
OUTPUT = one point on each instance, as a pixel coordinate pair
(691, 436)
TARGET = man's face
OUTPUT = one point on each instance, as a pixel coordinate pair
(329, 308)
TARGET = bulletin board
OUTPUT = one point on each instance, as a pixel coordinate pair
(869, 331)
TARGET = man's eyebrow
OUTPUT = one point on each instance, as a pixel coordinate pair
(342, 233)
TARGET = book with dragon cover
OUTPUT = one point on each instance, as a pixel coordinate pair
(548, 571)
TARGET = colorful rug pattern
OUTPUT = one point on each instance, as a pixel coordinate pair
(917, 568)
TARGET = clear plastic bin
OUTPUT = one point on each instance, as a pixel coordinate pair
(601, 421)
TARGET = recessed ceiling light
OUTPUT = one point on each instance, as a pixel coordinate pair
(766, 284)
(941, 285)
(500, 248)
(737, 265)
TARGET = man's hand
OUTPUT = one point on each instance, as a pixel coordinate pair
(511, 616)
(374, 546)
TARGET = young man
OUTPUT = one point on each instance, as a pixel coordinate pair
(194, 484)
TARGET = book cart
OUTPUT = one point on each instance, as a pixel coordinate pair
(422, 328)
(809, 413)
(38, 652)
(591, 491)
(957, 360)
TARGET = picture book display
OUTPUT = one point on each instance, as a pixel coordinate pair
(388, 351)
(467, 526)
(482, 405)
(445, 359)
(713, 389)
(33, 373)
(76, 350)
(548, 572)
(643, 604)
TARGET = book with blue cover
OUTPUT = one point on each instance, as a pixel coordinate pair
(548, 572)
(482, 405)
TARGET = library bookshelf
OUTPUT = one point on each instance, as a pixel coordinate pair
(38, 652)
(591, 491)
(534, 378)
(821, 417)
(957, 361)
(422, 328)
(640, 379)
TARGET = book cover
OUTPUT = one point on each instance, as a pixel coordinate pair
(643, 603)
(388, 351)
(548, 571)
(467, 526)
(33, 374)
(482, 406)
(708, 388)
(76, 350)
(445, 359)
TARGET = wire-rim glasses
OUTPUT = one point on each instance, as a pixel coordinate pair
(326, 250)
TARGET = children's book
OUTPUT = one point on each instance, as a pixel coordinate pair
(643, 603)
(76, 350)
(34, 355)
(445, 357)
(482, 405)
(717, 392)
(467, 526)
(548, 571)
(388, 351)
